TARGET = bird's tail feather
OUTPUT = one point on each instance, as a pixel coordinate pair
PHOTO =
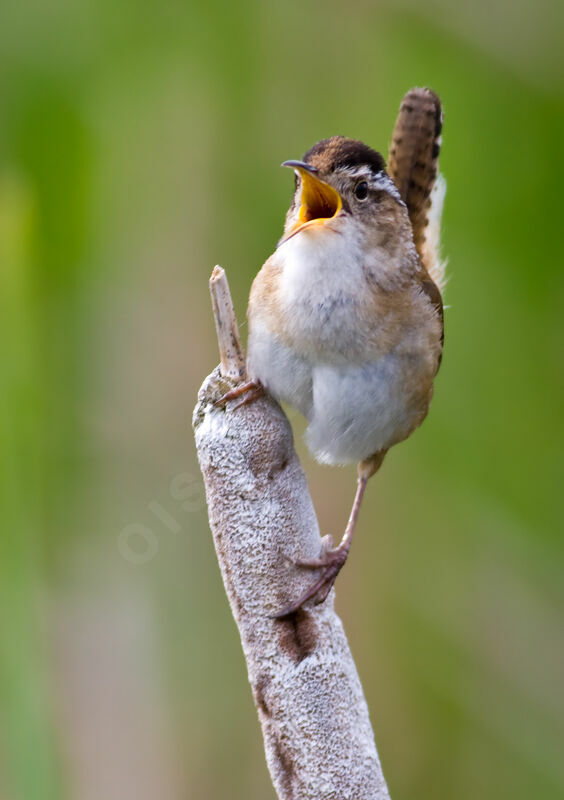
(413, 166)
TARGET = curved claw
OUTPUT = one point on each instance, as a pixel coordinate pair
(325, 559)
(331, 563)
(252, 390)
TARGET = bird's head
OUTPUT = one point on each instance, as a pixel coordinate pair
(340, 179)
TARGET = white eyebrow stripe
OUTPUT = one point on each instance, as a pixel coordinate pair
(380, 181)
(385, 183)
(357, 172)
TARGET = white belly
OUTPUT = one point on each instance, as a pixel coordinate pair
(359, 410)
(353, 410)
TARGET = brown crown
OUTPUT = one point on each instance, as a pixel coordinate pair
(338, 151)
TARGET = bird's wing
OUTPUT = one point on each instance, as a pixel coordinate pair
(413, 166)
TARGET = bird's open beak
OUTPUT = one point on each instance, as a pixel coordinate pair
(319, 201)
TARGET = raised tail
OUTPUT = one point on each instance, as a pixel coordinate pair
(413, 164)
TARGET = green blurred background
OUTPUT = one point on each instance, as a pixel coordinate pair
(139, 146)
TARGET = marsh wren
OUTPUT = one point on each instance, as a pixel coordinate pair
(346, 316)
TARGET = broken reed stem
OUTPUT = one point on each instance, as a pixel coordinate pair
(318, 740)
(231, 357)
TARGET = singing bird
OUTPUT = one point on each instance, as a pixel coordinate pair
(346, 316)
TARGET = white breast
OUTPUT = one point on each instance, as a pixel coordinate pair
(320, 288)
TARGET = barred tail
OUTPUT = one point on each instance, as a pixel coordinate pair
(413, 166)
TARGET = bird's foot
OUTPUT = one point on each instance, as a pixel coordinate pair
(330, 562)
(249, 391)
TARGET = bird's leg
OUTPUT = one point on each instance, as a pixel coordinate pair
(332, 561)
(251, 389)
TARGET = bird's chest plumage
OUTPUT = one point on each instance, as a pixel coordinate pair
(321, 294)
(356, 360)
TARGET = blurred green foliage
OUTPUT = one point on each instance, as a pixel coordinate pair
(139, 146)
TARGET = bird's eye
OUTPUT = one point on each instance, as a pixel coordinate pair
(361, 190)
